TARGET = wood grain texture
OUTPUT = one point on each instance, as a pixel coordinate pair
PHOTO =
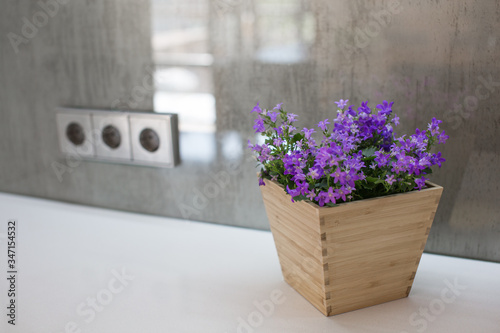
(354, 255)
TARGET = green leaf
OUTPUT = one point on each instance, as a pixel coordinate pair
(297, 137)
(331, 204)
(428, 171)
(299, 198)
(322, 184)
(368, 152)
(368, 185)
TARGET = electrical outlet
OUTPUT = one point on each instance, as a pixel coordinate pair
(74, 129)
(122, 137)
(154, 139)
(112, 135)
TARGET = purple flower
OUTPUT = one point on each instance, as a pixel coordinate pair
(322, 125)
(418, 132)
(434, 126)
(327, 196)
(419, 139)
(381, 158)
(364, 108)
(315, 173)
(278, 106)
(385, 108)
(259, 125)
(420, 182)
(257, 148)
(395, 120)
(299, 177)
(437, 159)
(351, 177)
(341, 192)
(265, 152)
(424, 162)
(342, 103)
(442, 138)
(293, 193)
(350, 111)
(277, 142)
(321, 199)
(292, 117)
(256, 108)
(338, 176)
(261, 182)
(273, 115)
(359, 145)
(311, 195)
(308, 132)
(331, 196)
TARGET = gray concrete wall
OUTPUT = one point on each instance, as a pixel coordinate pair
(434, 59)
(86, 54)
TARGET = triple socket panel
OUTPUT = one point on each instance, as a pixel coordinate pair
(142, 138)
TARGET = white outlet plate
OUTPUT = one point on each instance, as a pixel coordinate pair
(100, 121)
(162, 125)
(80, 133)
(83, 119)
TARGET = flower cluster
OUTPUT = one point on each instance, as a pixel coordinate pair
(354, 156)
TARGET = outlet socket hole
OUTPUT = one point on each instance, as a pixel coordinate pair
(111, 137)
(149, 140)
(75, 134)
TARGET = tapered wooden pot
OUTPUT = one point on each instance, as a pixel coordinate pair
(356, 254)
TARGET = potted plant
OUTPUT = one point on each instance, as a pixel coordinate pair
(349, 203)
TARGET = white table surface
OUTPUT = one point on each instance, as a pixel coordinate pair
(198, 277)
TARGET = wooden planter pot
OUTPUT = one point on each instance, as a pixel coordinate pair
(354, 255)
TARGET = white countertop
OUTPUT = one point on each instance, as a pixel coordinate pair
(179, 276)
